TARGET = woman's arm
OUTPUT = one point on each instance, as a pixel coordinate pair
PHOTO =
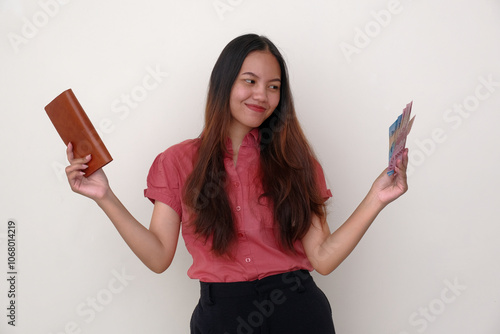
(155, 246)
(326, 250)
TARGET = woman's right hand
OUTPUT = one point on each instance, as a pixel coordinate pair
(95, 186)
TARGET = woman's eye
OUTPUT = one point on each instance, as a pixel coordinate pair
(274, 87)
(250, 81)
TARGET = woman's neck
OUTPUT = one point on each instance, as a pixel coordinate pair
(237, 134)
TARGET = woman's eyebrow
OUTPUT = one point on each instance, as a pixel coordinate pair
(255, 75)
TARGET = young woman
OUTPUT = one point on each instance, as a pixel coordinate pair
(251, 198)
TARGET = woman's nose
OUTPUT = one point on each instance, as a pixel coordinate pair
(260, 93)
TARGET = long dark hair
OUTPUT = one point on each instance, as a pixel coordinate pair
(287, 162)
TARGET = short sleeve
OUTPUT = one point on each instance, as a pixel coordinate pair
(321, 182)
(163, 181)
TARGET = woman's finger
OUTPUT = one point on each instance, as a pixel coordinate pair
(69, 152)
(405, 158)
(74, 175)
(75, 167)
(402, 162)
(83, 160)
(71, 156)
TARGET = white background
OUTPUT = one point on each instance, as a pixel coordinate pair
(443, 232)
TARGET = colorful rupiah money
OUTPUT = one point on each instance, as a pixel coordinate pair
(398, 132)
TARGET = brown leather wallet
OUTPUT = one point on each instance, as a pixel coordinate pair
(73, 125)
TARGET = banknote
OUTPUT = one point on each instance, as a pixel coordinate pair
(398, 132)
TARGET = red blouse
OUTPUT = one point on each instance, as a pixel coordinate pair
(257, 254)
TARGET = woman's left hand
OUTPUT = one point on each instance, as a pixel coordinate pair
(387, 188)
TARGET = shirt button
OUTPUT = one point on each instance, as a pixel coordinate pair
(238, 208)
(240, 235)
(248, 259)
(236, 184)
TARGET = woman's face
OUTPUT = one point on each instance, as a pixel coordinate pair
(255, 92)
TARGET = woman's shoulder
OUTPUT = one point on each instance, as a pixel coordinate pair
(186, 146)
(182, 151)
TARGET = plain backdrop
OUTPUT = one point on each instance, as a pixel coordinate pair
(429, 263)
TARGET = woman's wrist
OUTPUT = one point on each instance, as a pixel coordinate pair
(374, 202)
(106, 197)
